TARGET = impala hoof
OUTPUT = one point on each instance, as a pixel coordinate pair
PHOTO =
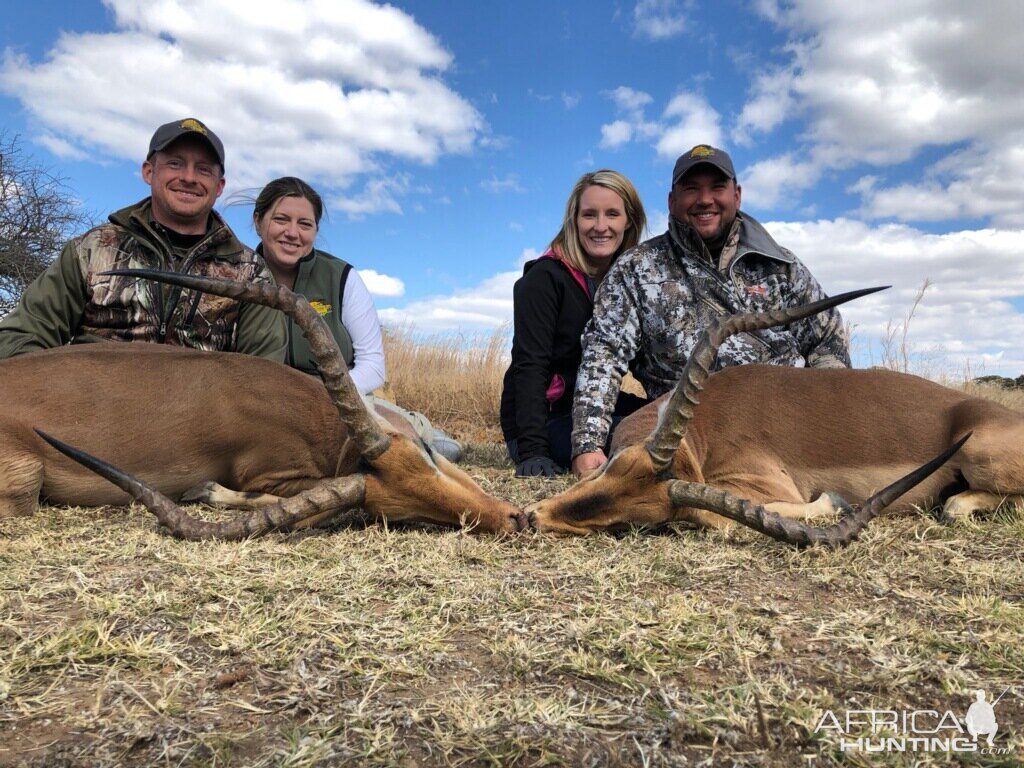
(199, 494)
(841, 505)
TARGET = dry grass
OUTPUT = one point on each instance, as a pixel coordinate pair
(373, 646)
(454, 380)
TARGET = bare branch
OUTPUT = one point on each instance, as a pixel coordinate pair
(38, 213)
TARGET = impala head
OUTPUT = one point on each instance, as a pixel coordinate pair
(398, 477)
(635, 486)
(625, 491)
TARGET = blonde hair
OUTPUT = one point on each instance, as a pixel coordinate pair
(567, 241)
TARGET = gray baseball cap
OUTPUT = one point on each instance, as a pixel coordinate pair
(703, 154)
(170, 132)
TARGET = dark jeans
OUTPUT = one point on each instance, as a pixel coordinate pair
(560, 430)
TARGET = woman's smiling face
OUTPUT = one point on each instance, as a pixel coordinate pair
(287, 231)
(601, 224)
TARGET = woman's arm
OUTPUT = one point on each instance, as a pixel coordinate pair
(536, 304)
(359, 317)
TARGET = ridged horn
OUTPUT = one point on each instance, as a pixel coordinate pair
(331, 495)
(786, 529)
(665, 438)
(370, 440)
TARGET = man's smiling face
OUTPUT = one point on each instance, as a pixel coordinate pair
(707, 200)
(186, 179)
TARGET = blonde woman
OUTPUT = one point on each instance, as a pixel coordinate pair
(552, 302)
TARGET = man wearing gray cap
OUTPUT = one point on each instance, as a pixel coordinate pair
(175, 229)
(657, 298)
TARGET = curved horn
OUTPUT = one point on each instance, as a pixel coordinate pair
(370, 439)
(792, 531)
(665, 438)
(332, 495)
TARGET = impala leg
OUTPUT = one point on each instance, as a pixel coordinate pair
(21, 479)
(964, 505)
(827, 505)
(992, 463)
(217, 495)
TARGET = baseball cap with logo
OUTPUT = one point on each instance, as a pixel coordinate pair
(703, 154)
(171, 132)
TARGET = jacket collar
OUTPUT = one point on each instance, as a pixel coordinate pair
(138, 218)
(754, 240)
(577, 275)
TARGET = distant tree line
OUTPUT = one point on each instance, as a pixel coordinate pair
(38, 213)
(1002, 381)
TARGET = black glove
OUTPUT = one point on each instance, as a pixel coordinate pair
(538, 466)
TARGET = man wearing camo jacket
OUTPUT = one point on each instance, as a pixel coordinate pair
(657, 298)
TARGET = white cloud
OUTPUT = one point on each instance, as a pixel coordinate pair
(60, 148)
(778, 179)
(570, 100)
(486, 305)
(496, 186)
(378, 196)
(966, 316)
(694, 122)
(658, 19)
(616, 134)
(772, 104)
(878, 82)
(687, 120)
(316, 88)
(630, 101)
(382, 285)
(977, 182)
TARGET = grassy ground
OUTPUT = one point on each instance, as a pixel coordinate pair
(366, 645)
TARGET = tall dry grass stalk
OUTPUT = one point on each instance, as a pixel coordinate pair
(454, 380)
(896, 354)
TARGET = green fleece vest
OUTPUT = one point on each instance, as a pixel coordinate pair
(321, 280)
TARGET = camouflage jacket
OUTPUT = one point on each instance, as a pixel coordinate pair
(656, 299)
(72, 302)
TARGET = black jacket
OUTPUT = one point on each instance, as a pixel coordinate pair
(550, 308)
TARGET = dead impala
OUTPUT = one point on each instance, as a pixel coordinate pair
(181, 418)
(770, 444)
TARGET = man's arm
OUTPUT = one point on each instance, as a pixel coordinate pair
(822, 338)
(610, 342)
(49, 313)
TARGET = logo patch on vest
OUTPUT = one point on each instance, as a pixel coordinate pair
(321, 308)
(757, 290)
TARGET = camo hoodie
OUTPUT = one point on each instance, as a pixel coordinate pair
(72, 302)
(657, 298)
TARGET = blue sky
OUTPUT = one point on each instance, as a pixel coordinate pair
(882, 142)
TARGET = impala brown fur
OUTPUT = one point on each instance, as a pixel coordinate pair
(240, 428)
(797, 442)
